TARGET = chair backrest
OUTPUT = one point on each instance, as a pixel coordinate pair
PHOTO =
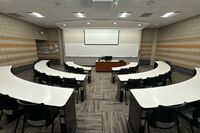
(155, 65)
(36, 73)
(196, 117)
(80, 71)
(150, 81)
(137, 68)
(168, 76)
(48, 63)
(69, 82)
(160, 80)
(71, 69)
(123, 71)
(34, 112)
(66, 67)
(134, 83)
(164, 114)
(44, 77)
(108, 57)
(56, 80)
(131, 70)
(8, 104)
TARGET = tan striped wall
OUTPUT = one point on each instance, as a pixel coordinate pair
(180, 43)
(17, 41)
(17, 51)
(146, 44)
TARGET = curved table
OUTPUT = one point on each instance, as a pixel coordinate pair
(131, 64)
(87, 69)
(42, 67)
(162, 68)
(116, 69)
(71, 63)
(18, 88)
(175, 94)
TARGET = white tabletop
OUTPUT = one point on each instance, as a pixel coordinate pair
(187, 91)
(32, 92)
(70, 63)
(43, 68)
(162, 68)
(131, 64)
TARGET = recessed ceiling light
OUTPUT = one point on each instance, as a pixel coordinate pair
(139, 25)
(64, 25)
(35, 14)
(115, 23)
(124, 14)
(88, 22)
(169, 14)
(156, 23)
(79, 14)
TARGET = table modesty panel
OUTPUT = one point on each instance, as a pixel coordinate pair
(131, 64)
(162, 68)
(43, 68)
(70, 63)
(187, 91)
(28, 91)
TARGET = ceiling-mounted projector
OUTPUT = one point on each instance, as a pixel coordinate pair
(103, 0)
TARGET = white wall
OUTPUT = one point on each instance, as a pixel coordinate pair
(129, 42)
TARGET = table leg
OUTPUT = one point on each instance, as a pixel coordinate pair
(83, 90)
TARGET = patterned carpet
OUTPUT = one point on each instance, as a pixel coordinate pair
(100, 112)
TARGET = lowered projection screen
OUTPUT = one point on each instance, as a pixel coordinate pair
(101, 36)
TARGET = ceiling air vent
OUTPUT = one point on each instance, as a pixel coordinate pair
(146, 14)
(15, 15)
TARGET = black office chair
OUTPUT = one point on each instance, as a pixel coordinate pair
(123, 71)
(80, 71)
(38, 115)
(164, 117)
(10, 108)
(36, 75)
(131, 70)
(168, 77)
(132, 84)
(71, 83)
(44, 79)
(48, 64)
(66, 67)
(137, 69)
(55, 81)
(71, 69)
(160, 80)
(155, 65)
(148, 82)
(192, 115)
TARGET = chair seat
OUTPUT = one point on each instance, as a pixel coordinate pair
(36, 123)
(187, 112)
(165, 125)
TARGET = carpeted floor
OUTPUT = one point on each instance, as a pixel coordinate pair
(100, 112)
